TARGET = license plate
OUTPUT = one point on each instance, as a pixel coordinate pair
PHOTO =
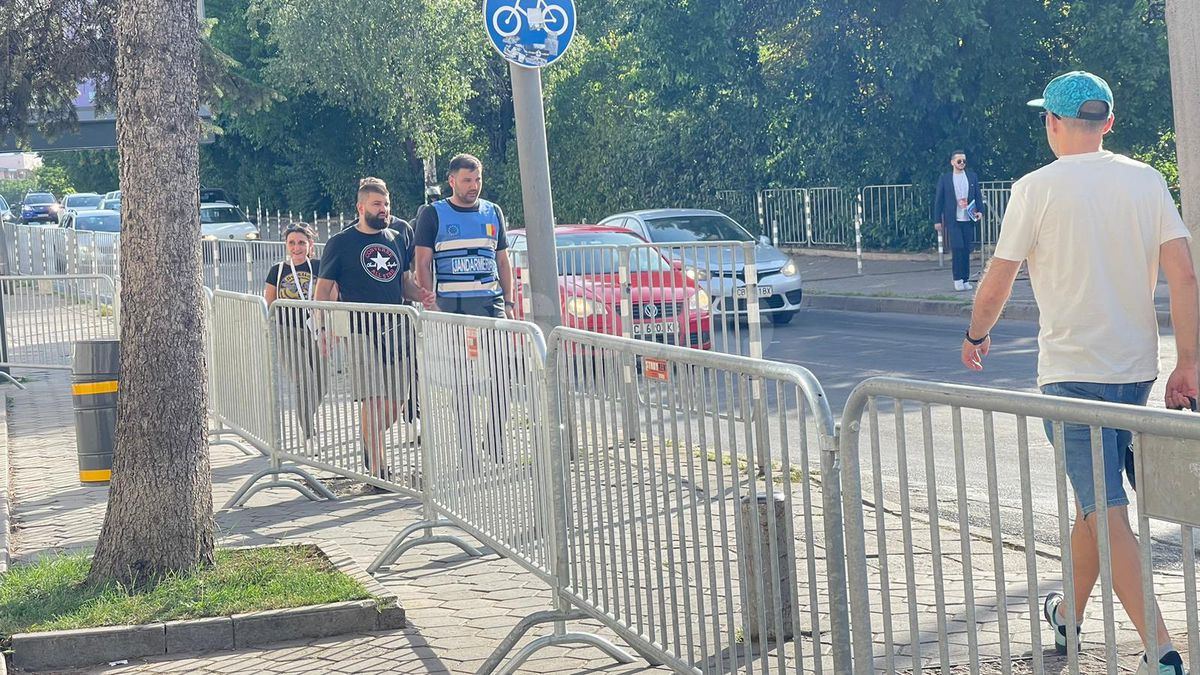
(763, 292)
(655, 328)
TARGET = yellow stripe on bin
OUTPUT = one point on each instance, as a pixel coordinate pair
(95, 476)
(88, 388)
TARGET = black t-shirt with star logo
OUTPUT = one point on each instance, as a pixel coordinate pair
(367, 267)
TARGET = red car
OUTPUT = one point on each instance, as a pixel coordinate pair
(666, 304)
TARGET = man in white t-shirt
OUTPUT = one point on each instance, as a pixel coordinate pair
(1095, 228)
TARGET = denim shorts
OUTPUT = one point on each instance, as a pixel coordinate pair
(1078, 438)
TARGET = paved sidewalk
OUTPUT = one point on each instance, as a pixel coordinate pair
(908, 284)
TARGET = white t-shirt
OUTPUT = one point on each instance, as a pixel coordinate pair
(1090, 227)
(961, 189)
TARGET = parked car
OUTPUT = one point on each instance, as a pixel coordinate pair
(113, 194)
(723, 276)
(110, 204)
(222, 220)
(92, 220)
(6, 212)
(39, 207)
(94, 244)
(79, 201)
(667, 305)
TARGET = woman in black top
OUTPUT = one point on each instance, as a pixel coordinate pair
(294, 279)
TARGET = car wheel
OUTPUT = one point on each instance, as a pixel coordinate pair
(782, 318)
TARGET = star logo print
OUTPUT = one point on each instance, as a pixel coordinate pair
(380, 262)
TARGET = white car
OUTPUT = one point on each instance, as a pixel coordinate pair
(79, 201)
(222, 220)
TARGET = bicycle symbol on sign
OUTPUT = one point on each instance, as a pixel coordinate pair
(507, 20)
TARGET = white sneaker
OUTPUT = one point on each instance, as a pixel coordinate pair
(959, 285)
(1173, 665)
(967, 286)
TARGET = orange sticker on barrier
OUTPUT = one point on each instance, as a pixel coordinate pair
(656, 369)
(472, 343)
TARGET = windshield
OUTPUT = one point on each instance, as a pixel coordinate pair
(221, 214)
(39, 198)
(82, 201)
(697, 228)
(108, 222)
(600, 256)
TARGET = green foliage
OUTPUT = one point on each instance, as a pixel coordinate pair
(662, 103)
(86, 170)
(51, 593)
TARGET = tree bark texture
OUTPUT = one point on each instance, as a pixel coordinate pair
(159, 517)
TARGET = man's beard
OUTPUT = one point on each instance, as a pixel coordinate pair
(376, 221)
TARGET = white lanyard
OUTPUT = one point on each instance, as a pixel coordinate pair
(296, 277)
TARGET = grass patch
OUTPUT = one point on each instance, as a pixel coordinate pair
(50, 594)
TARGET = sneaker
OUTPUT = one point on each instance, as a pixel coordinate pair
(959, 285)
(1170, 664)
(1050, 612)
(967, 286)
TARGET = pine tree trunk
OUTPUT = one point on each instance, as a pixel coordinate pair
(159, 517)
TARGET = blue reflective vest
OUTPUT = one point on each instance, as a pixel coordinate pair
(464, 254)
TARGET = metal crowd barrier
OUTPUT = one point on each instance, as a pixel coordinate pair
(487, 427)
(241, 391)
(924, 594)
(43, 316)
(679, 519)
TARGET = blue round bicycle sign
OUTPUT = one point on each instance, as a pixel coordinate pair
(530, 33)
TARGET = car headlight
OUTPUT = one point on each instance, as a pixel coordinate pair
(789, 270)
(209, 237)
(252, 235)
(581, 308)
(700, 301)
(695, 273)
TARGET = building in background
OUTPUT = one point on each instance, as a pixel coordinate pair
(18, 165)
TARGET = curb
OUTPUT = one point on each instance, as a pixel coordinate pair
(89, 646)
(914, 256)
(1017, 311)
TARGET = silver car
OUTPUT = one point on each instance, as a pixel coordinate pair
(779, 287)
(78, 201)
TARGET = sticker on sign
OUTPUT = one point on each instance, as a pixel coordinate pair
(763, 292)
(656, 369)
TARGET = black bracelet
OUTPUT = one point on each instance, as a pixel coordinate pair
(973, 341)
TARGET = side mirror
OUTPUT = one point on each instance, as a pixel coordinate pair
(764, 240)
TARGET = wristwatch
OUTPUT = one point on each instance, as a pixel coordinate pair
(509, 303)
(972, 340)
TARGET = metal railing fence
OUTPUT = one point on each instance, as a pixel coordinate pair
(926, 593)
(43, 316)
(681, 517)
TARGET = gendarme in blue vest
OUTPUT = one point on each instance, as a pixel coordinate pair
(464, 255)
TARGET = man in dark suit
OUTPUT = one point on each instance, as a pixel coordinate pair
(957, 205)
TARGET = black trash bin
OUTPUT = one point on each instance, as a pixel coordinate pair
(94, 374)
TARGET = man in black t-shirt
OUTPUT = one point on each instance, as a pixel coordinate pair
(370, 263)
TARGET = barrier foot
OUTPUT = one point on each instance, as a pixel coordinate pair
(548, 616)
(252, 487)
(245, 450)
(10, 378)
(398, 546)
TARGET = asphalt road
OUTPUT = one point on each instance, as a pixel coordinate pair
(843, 348)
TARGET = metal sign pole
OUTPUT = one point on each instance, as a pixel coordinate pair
(542, 263)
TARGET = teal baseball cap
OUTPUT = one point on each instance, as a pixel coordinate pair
(1068, 92)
